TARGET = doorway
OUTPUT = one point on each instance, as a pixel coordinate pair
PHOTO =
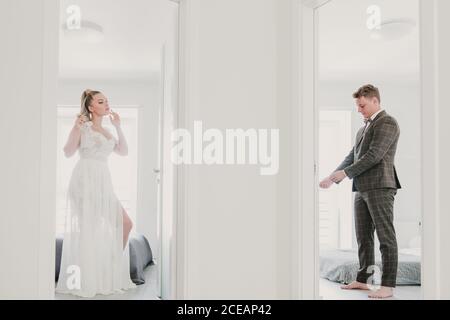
(356, 43)
(130, 53)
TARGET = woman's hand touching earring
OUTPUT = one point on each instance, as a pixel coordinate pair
(81, 119)
(115, 119)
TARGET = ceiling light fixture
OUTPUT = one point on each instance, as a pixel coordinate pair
(394, 29)
(89, 31)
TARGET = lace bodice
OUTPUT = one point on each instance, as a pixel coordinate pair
(94, 145)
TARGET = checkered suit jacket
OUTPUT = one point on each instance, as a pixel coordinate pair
(371, 161)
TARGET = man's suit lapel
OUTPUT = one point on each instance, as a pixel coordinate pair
(359, 138)
(362, 133)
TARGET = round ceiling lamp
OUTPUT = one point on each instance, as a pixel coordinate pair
(394, 29)
(86, 31)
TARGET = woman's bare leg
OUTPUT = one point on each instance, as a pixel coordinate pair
(127, 226)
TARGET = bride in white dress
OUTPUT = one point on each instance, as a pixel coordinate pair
(95, 254)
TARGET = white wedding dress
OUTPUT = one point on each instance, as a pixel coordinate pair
(93, 259)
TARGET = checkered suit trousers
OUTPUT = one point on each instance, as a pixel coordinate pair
(374, 211)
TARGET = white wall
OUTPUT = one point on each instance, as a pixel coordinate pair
(24, 210)
(238, 240)
(443, 130)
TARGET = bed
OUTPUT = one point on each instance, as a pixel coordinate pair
(140, 257)
(342, 265)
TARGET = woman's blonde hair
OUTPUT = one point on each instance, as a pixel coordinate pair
(86, 100)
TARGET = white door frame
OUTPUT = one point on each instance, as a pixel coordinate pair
(307, 230)
(185, 55)
(159, 174)
(47, 195)
(47, 209)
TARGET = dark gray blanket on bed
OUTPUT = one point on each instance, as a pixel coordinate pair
(342, 265)
(140, 257)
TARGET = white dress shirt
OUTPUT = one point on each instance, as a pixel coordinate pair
(373, 117)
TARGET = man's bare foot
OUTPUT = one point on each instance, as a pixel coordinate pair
(382, 293)
(355, 285)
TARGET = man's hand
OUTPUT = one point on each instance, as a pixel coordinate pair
(338, 176)
(326, 183)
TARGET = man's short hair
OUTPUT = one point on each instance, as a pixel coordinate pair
(367, 91)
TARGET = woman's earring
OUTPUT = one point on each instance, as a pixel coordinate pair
(90, 115)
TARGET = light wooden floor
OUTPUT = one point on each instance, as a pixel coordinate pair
(331, 291)
(145, 291)
(328, 291)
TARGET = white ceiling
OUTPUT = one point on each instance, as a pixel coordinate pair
(346, 50)
(134, 31)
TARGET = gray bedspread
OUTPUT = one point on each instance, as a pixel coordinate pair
(140, 257)
(342, 265)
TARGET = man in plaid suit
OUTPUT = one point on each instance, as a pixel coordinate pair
(370, 164)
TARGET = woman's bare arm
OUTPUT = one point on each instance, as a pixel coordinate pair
(121, 147)
(73, 142)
